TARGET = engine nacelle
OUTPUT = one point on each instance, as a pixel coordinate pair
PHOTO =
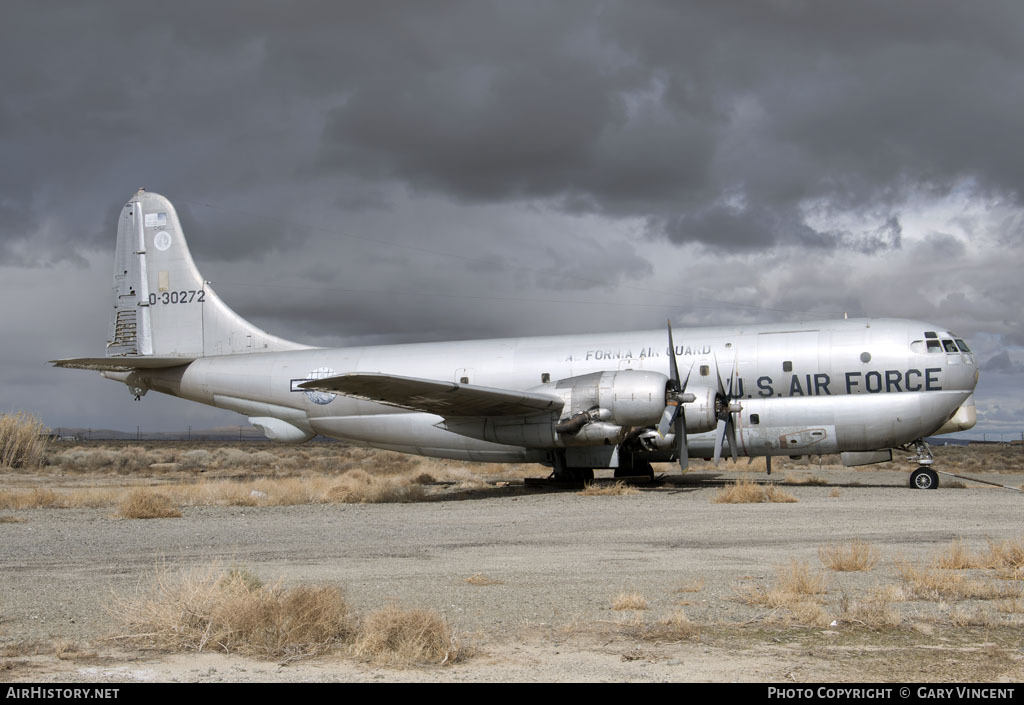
(621, 397)
(601, 408)
(700, 412)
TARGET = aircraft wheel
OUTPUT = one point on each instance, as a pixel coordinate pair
(924, 479)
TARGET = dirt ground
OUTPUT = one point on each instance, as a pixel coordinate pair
(556, 561)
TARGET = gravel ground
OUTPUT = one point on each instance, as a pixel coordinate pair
(558, 560)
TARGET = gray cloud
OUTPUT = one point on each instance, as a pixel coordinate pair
(359, 173)
(1001, 363)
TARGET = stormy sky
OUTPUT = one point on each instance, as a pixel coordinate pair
(355, 173)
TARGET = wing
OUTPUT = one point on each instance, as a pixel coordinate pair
(121, 364)
(435, 397)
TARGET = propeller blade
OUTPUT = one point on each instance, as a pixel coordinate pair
(684, 452)
(667, 417)
(719, 436)
(730, 428)
(673, 367)
(718, 375)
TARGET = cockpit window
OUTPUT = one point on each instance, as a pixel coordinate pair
(931, 334)
(950, 346)
(962, 345)
(934, 346)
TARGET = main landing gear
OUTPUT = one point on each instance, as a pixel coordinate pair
(924, 478)
(629, 467)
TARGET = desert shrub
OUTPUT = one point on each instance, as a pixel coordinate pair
(143, 503)
(358, 486)
(396, 635)
(855, 556)
(749, 492)
(229, 611)
(614, 489)
(196, 459)
(629, 601)
(23, 440)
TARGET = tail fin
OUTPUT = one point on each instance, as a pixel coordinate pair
(162, 306)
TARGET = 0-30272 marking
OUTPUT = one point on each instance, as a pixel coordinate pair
(178, 297)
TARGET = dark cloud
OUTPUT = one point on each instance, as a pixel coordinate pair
(649, 110)
(380, 172)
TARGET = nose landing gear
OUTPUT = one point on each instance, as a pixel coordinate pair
(924, 478)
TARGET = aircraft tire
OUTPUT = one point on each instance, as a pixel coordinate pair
(924, 479)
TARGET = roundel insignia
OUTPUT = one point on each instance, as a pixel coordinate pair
(162, 240)
(320, 397)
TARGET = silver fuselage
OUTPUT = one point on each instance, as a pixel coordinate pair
(816, 387)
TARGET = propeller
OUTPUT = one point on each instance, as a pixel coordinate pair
(675, 394)
(725, 407)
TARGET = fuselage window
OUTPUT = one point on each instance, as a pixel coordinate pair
(918, 346)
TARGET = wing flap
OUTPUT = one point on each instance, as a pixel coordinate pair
(121, 364)
(434, 396)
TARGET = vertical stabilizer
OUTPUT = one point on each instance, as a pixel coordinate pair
(162, 306)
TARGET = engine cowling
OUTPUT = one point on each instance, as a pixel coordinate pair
(619, 397)
(700, 412)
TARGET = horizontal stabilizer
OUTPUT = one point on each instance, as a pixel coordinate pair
(435, 397)
(122, 364)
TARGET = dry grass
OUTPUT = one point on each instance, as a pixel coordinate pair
(614, 489)
(740, 492)
(943, 584)
(399, 636)
(798, 578)
(9, 519)
(482, 580)
(855, 556)
(358, 487)
(795, 597)
(876, 610)
(252, 458)
(1011, 606)
(629, 601)
(834, 493)
(956, 557)
(214, 610)
(965, 617)
(142, 503)
(1007, 556)
(234, 611)
(748, 492)
(774, 494)
(22, 440)
(813, 480)
(352, 487)
(674, 628)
